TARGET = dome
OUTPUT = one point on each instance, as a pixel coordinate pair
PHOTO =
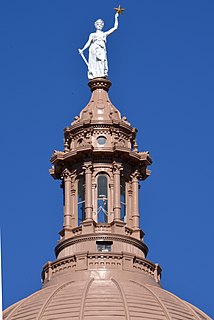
(99, 299)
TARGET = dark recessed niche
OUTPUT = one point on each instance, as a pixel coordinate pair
(104, 246)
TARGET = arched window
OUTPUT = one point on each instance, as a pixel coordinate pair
(81, 199)
(122, 198)
(102, 198)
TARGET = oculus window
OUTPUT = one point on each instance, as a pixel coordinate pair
(101, 140)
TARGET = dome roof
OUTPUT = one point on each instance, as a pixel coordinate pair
(100, 299)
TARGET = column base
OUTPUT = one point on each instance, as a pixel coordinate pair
(118, 227)
(138, 234)
(88, 226)
(66, 233)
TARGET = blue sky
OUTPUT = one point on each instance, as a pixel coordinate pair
(161, 62)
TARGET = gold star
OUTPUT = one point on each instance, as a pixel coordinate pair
(119, 9)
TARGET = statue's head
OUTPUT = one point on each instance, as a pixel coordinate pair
(99, 24)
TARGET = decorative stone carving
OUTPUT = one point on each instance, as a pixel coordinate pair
(66, 175)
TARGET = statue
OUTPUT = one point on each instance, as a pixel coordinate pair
(97, 60)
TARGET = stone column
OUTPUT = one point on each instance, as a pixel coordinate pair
(88, 190)
(66, 175)
(116, 204)
(135, 200)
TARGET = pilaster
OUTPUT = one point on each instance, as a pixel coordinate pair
(67, 223)
(88, 190)
(116, 173)
(135, 205)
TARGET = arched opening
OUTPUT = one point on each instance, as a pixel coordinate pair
(81, 199)
(122, 199)
(102, 198)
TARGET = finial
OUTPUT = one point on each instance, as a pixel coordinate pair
(135, 147)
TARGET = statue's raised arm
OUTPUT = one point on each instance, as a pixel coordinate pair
(97, 60)
(115, 24)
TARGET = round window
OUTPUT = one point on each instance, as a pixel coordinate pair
(101, 140)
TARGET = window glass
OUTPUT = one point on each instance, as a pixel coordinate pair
(122, 198)
(81, 199)
(101, 140)
(102, 198)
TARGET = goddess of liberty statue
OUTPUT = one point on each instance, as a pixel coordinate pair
(97, 60)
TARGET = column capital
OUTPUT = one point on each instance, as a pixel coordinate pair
(136, 175)
(66, 174)
(116, 167)
(87, 166)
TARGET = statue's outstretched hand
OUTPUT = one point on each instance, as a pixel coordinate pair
(116, 15)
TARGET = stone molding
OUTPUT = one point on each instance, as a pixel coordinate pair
(99, 83)
(105, 236)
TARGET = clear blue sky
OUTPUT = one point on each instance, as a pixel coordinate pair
(161, 64)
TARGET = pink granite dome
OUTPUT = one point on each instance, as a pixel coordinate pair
(98, 299)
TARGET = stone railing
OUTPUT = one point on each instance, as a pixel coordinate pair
(99, 261)
(52, 268)
(77, 231)
(104, 261)
(97, 228)
(148, 267)
(103, 227)
(128, 231)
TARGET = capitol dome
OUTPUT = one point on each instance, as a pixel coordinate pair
(98, 299)
(101, 271)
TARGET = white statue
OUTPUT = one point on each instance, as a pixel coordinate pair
(97, 60)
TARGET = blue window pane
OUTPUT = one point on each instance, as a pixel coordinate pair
(102, 198)
(122, 198)
(81, 199)
(101, 140)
